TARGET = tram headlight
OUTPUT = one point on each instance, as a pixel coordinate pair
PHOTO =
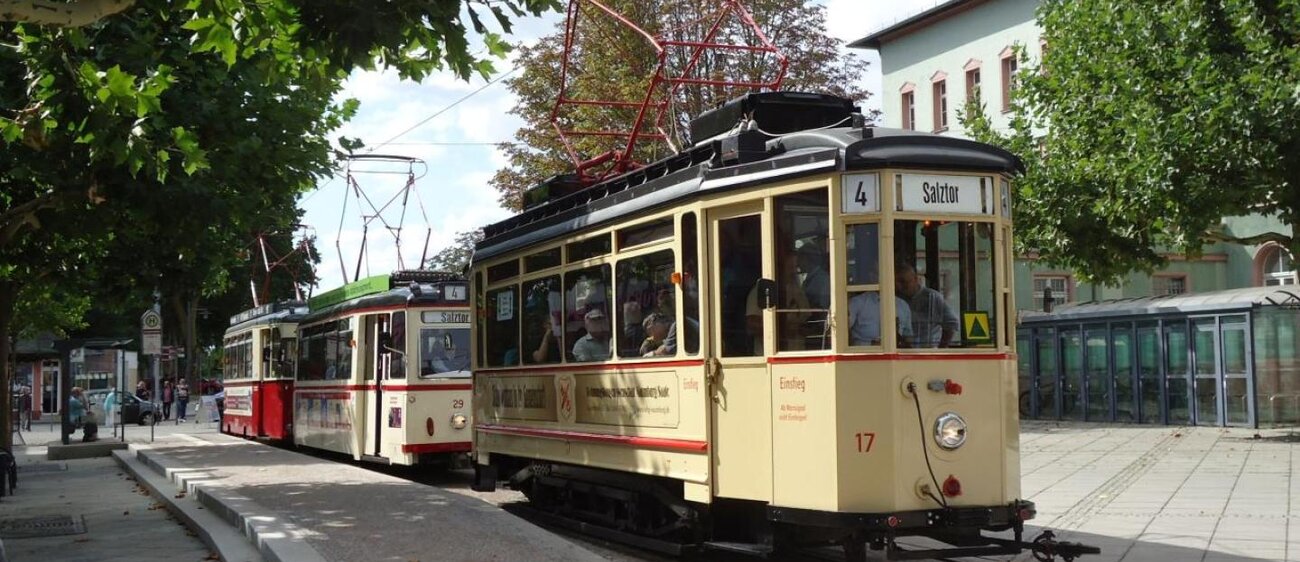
(950, 431)
(458, 421)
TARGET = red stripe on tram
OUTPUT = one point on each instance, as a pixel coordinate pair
(462, 447)
(402, 388)
(891, 357)
(629, 440)
(543, 369)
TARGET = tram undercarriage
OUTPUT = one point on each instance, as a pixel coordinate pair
(649, 512)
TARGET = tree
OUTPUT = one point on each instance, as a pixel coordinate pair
(611, 62)
(455, 258)
(1160, 119)
(91, 125)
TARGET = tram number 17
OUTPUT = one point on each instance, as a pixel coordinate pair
(865, 441)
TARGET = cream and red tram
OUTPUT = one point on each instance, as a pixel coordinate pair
(383, 370)
(692, 353)
(259, 351)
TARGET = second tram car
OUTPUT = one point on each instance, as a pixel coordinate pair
(260, 349)
(383, 370)
(798, 332)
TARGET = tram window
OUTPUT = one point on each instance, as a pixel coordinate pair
(503, 271)
(345, 350)
(944, 270)
(331, 355)
(543, 321)
(803, 277)
(589, 248)
(246, 357)
(586, 305)
(740, 251)
(283, 357)
(397, 355)
(691, 282)
(313, 353)
(544, 259)
(480, 311)
(645, 234)
(501, 337)
(864, 320)
(862, 259)
(444, 351)
(647, 306)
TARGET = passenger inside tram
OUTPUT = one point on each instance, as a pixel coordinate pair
(594, 346)
(656, 341)
(864, 320)
(933, 322)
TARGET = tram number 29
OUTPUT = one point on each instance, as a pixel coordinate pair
(865, 440)
(458, 403)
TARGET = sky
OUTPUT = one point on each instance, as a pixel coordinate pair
(455, 145)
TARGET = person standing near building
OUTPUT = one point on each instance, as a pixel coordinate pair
(182, 399)
(168, 396)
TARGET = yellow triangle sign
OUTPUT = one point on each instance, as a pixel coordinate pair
(976, 327)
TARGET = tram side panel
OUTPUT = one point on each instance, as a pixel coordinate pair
(325, 418)
(274, 401)
(240, 416)
(639, 418)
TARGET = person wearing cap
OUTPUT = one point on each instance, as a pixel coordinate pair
(656, 327)
(594, 346)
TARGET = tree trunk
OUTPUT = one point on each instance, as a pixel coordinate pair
(8, 301)
(191, 336)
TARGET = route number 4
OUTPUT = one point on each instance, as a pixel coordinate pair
(865, 441)
(860, 193)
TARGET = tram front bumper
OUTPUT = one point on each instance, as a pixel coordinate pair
(990, 518)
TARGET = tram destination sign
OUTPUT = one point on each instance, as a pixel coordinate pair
(930, 193)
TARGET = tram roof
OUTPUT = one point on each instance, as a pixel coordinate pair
(693, 172)
(1211, 302)
(397, 296)
(284, 316)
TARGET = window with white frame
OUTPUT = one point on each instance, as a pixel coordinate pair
(1009, 68)
(1279, 268)
(1060, 286)
(1168, 284)
(909, 110)
(940, 105)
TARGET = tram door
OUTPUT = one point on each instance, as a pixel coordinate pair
(374, 371)
(741, 392)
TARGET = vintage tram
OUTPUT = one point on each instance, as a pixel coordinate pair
(797, 332)
(260, 349)
(383, 370)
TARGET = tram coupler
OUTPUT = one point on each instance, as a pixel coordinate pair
(1046, 548)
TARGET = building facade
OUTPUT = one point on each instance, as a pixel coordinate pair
(934, 62)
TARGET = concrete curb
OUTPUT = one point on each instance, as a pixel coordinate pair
(212, 530)
(275, 539)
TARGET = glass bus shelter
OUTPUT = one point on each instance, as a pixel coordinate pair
(1226, 358)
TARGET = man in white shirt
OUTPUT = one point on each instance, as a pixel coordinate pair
(594, 346)
(864, 320)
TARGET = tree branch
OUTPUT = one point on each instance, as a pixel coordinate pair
(1218, 235)
(77, 13)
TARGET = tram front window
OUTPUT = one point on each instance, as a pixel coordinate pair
(444, 352)
(944, 271)
(803, 271)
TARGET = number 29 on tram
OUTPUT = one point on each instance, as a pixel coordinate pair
(795, 334)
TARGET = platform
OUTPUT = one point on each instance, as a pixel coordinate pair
(296, 507)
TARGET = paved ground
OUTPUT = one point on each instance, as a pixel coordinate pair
(122, 522)
(1167, 493)
(1140, 493)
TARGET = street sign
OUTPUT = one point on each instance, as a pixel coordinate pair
(151, 333)
(151, 343)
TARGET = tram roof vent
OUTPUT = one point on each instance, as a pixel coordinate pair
(407, 276)
(773, 114)
(554, 187)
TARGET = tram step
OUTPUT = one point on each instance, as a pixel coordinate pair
(373, 458)
(752, 549)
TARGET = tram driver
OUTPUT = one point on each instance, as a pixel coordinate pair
(933, 322)
(864, 320)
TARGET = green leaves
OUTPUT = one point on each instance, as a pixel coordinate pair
(1160, 119)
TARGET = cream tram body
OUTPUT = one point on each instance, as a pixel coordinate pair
(771, 409)
(259, 350)
(385, 377)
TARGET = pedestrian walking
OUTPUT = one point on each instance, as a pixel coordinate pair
(182, 399)
(168, 395)
(142, 391)
(25, 403)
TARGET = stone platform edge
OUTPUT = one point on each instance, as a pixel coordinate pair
(221, 514)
